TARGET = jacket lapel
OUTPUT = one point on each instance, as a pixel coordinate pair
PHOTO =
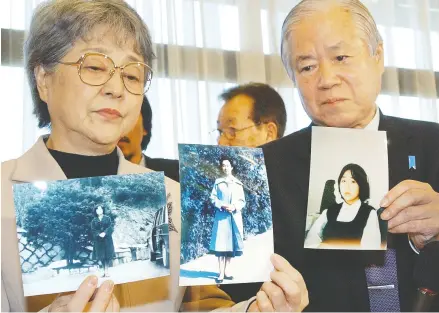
(37, 164)
(399, 148)
(303, 152)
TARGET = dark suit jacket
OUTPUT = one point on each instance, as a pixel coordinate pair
(170, 167)
(336, 280)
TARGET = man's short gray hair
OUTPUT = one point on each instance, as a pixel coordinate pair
(361, 15)
(57, 24)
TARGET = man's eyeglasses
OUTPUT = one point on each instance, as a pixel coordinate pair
(95, 69)
(230, 132)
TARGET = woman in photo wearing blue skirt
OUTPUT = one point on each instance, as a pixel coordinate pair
(227, 232)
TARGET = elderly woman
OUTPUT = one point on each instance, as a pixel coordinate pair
(88, 65)
(227, 231)
(353, 222)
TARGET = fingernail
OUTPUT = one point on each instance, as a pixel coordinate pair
(385, 215)
(384, 202)
(92, 281)
(109, 287)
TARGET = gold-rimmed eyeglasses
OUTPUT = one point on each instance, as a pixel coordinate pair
(95, 69)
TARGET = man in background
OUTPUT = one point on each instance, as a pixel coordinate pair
(135, 142)
(252, 115)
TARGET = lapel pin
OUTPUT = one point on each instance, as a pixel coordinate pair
(412, 162)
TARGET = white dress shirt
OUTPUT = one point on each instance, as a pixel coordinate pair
(375, 122)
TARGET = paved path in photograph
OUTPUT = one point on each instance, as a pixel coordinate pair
(138, 270)
(253, 266)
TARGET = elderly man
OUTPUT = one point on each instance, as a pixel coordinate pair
(252, 115)
(334, 54)
(136, 141)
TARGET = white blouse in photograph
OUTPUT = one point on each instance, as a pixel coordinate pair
(371, 239)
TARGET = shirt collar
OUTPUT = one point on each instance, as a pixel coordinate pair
(231, 179)
(143, 161)
(375, 122)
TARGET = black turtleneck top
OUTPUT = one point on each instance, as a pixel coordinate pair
(79, 166)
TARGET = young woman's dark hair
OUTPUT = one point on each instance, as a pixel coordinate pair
(96, 207)
(360, 177)
(226, 158)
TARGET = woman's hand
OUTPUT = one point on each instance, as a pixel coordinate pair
(80, 301)
(228, 208)
(102, 235)
(285, 293)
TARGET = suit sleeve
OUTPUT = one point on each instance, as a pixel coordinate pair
(211, 298)
(205, 298)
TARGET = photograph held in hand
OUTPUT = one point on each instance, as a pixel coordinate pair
(104, 226)
(227, 234)
(346, 185)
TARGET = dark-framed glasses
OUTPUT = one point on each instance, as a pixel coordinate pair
(95, 69)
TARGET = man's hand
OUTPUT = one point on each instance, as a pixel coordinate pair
(413, 207)
(104, 301)
(286, 293)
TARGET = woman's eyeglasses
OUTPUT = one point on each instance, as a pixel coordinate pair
(95, 69)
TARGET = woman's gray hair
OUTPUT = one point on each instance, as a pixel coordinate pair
(360, 14)
(57, 24)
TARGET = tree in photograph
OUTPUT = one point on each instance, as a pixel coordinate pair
(62, 217)
(61, 212)
(24, 196)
